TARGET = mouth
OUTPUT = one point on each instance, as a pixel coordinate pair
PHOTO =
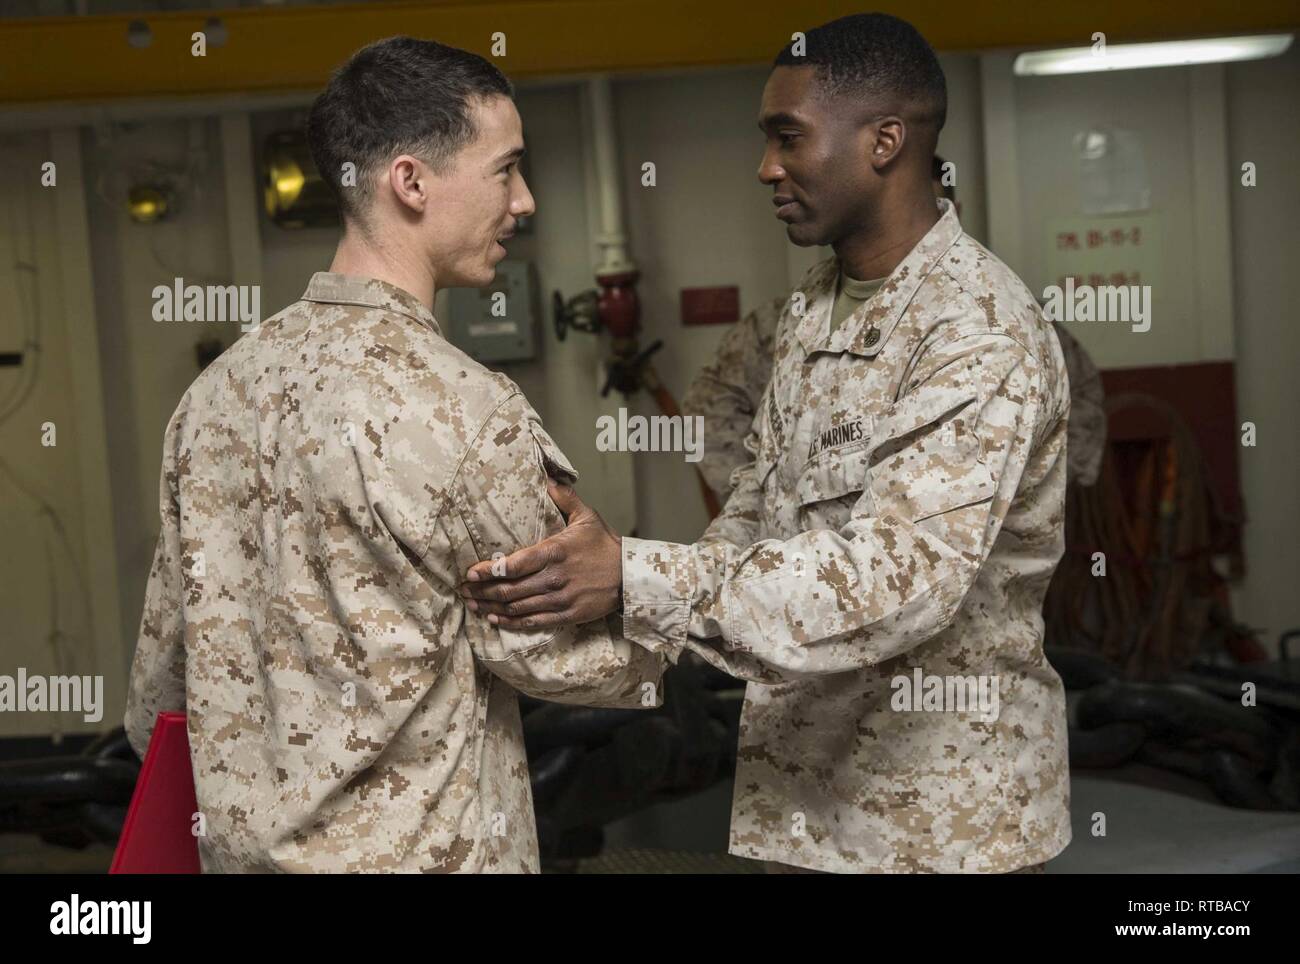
(501, 241)
(786, 207)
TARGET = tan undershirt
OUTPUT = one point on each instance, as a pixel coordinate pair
(850, 293)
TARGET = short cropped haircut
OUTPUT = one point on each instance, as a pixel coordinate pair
(873, 56)
(396, 96)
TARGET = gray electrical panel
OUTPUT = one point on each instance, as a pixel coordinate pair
(497, 323)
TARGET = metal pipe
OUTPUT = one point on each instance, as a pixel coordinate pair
(611, 240)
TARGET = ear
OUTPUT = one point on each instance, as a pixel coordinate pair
(408, 178)
(887, 141)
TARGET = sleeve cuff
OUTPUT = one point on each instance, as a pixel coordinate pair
(658, 585)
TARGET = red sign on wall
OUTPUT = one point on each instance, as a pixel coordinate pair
(710, 306)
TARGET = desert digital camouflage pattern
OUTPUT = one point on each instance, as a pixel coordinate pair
(726, 393)
(325, 485)
(903, 510)
(1087, 431)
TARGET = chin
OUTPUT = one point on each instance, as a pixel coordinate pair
(803, 235)
(481, 277)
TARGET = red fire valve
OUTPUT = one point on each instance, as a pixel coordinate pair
(619, 308)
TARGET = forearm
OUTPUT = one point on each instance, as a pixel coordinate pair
(591, 664)
(157, 681)
(817, 604)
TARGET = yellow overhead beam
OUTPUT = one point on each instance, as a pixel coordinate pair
(48, 59)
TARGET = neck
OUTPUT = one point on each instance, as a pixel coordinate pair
(364, 257)
(876, 250)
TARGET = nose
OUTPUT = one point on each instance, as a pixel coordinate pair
(521, 201)
(769, 171)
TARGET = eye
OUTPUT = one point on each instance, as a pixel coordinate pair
(508, 168)
(788, 137)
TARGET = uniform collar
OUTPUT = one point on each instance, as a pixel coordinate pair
(327, 287)
(866, 330)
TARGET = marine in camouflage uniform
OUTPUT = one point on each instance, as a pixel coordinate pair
(1087, 434)
(726, 392)
(902, 510)
(324, 483)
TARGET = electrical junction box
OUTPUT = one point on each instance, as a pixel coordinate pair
(497, 323)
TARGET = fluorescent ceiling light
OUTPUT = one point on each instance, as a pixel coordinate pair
(1172, 53)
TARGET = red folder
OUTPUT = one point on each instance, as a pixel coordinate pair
(157, 837)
